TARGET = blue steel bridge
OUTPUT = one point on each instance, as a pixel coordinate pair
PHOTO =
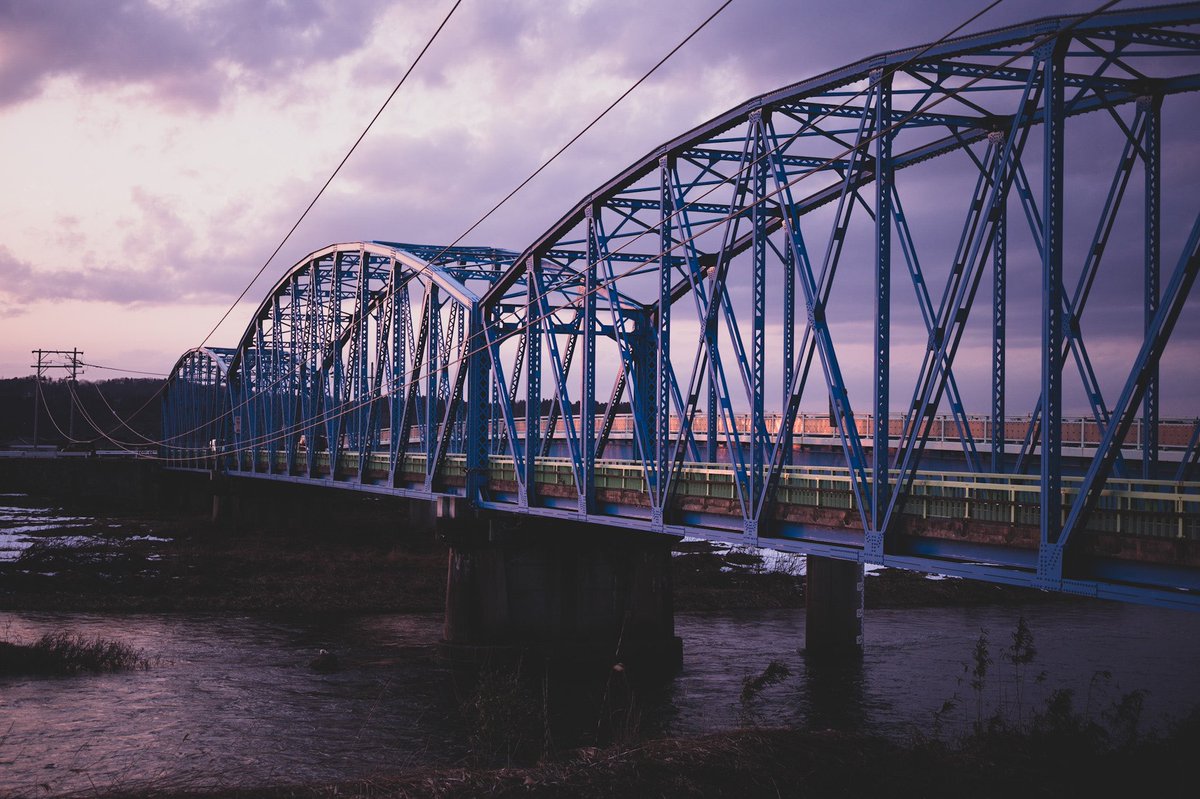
(935, 226)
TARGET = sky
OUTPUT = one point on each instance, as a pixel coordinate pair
(153, 153)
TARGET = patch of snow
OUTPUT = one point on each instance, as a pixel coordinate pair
(14, 542)
(144, 537)
(11, 546)
(9, 514)
(40, 528)
(74, 540)
(783, 562)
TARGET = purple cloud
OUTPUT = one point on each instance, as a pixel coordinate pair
(180, 54)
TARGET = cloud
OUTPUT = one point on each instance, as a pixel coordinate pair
(155, 256)
(190, 204)
(185, 55)
(62, 279)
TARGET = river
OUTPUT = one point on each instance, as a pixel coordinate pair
(230, 700)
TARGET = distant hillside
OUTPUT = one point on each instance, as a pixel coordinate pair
(103, 408)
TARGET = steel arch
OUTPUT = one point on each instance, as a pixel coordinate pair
(694, 304)
(355, 362)
(195, 408)
(759, 204)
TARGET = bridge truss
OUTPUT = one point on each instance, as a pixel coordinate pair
(646, 361)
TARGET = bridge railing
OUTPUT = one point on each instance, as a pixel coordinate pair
(1137, 507)
(1156, 508)
(1079, 432)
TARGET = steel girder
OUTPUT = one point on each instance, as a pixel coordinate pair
(195, 409)
(357, 363)
(706, 238)
(694, 293)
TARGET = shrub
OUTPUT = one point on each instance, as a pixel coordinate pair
(69, 653)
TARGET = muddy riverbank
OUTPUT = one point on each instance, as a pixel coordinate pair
(84, 558)
(788, 762)
(237, 613)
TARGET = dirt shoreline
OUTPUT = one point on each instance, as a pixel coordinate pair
(787, 762)
(185, 563)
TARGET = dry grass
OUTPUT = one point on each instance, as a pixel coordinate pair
(786, 762)
(69, 653)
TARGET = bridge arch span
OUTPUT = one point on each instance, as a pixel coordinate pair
(359, 348)
(769, 330)
(852, 242)
(195, 406)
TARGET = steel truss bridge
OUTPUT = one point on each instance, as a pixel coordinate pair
(644, 362)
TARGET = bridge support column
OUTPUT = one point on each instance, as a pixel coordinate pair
(224, 503)
(541, 592)
(833, 623)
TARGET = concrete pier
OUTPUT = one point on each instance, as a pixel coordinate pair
(834, 619)
(543, 591)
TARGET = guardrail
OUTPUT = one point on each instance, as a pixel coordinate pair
(1155, 508)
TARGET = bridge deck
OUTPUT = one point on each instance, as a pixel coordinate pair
(985, 526)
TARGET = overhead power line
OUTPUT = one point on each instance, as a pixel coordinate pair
(328, 415)
(512, 193)
(124, 371)
(306, 211)
(335, 172)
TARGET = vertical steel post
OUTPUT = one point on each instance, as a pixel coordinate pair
(789, 339)
(254, 388)
(1050, 554)
(884, 175)
(478, 381)
(533, 380)
(333, 409)
(758, 289)
(999, 308)
(587, 406)
(362, 377)
(274, 406)
(1152, 142)
(432, 366)
(400, 321)
(662, 410)
(711, 377)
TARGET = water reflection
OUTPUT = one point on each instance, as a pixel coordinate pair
(233, 697)
(832, 692)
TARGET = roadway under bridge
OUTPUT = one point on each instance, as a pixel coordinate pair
(978, 236)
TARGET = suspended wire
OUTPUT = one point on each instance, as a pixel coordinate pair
(521, 185)
(345, 409)
(122, 422)
(335, 172)
(119, 369)
(586, 128)
(317, 197)
(53, 421)
(272, 437)
(327, 416)
(96, 427)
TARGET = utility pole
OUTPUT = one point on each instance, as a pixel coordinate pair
(44, 362)
(74, 393)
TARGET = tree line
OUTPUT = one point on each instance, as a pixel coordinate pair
(103, 411)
